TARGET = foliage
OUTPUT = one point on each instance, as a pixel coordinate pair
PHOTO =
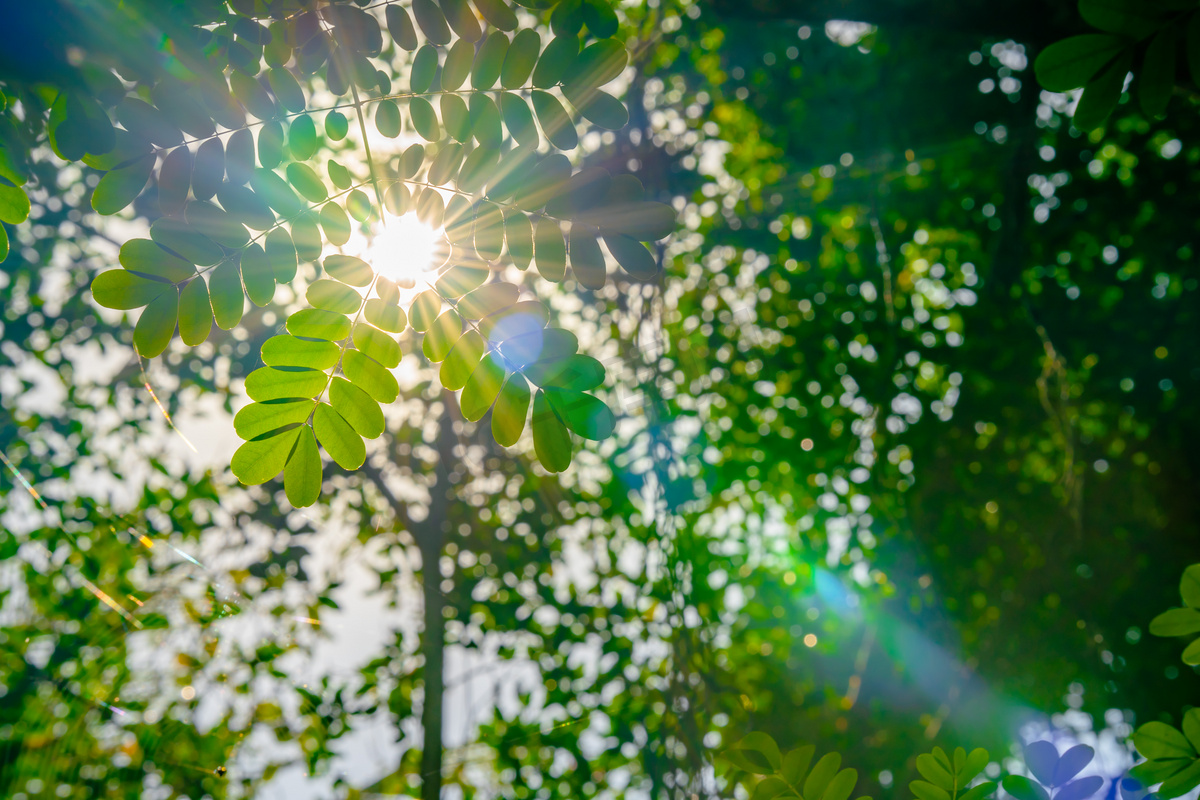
(324, 378)
(1152, 35)
(1055, 774)
(792, 775)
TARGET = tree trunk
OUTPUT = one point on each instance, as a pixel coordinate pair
(431, 540)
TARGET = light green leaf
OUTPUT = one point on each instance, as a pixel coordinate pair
(316, 323)
(357, 408)
(333, 296)
(340, 441)
(286, 90)
(462, 19)
(225, 294)
(281, 254)
(385, 316)
(387, 119)
(307, 182)
(584, 414)
(510, 410)
(257, 275)
(400, 27)
(550, 250)
(551, 440)
(488, 299)
(182, 239)
(841, 786)
(489, 61)
(482, 388)
(268, 383)
(302, 137)
(1191, 654)
(257, 419)
(303, 472)
(432, 22)
(1176, 622)
(927, 791)
(1189, 586)
(462, 359)
(14, 204)
(497, 13)
(156, 325)
(119, 187)
(442, 335)
(424, 310)
(822, 773)
(123, 290)
(1181, 782)
(370, 376)
(795, 764)
(289, 351)
(376, 344)
(934, 772)
(259, 460)
(1158, 740)
(195, 313)
(555, 121)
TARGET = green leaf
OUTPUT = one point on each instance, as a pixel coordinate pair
(119, 187)
(268, 383)
(841, 786)
(632, 255)
(336, 125)
(560, 54)
(600, 108)
(587, 261)
(1023, 788)
(972, 766)
(1189, 586)
(180, 238)
(822, 773)
(385, 316)
(251, 94)
(306, 237)
(497, 13)
(270, 145)
(1072, 62)
(349, 269)
(487, 299)
(934, 772)
(978, 792)
(457, 65)
(750, 761)
(257, 419)
(289, 351)
(1157, 76)
(303, 472)
(518, 234)
(424, 310)
(287, 91)
(520, 58)
(424, 119)
(174, 179)
(445, 164)
(1181, 783)
(1159, 740)
(3, 243)
(462, 359)
(156, 325)
(387, 119)
(600, 18)
(1149, 773)
(333, 296)
(302, 136)
(458, 280)
(432, 21)
(1176, 622)
(370, 376)
(510, 410)
(239, 156)
(443, 333)
(599, 63)
(195, 312)
(14, 204)
(245, 206)
(340, 441)
(376, 344)
(489, 61)
(123, 290)
(550, 250)
(316, 323)
(1130, 18)
(795, 764)
(927, 791)
(555, 121)
(552, 442)
(1191, 654)
(645, 221)
(281, 254)
(357, 408)
(210, 221)
(584, 414)
(768, 788)
(401, 28)
(462, 19)
(424, 67)
(208, 169)
(481, 388)
(258, 276)
(225, 293)
(140, 117)
(335, 223)
(260, 460)
(307, 182)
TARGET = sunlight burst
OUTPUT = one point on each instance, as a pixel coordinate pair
(406, 250)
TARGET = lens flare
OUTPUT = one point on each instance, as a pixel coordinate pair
(406, 250)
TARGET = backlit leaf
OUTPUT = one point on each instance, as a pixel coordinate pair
(340, 441)
(260, 460)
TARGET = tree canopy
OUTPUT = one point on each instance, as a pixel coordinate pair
(565, 399)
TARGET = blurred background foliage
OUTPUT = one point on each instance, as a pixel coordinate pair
(906, 458)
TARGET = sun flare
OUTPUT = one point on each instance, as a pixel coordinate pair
(406, 250)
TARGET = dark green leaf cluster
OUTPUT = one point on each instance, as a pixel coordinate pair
(1135, 32)
(791, 776)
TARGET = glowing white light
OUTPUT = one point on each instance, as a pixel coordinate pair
(405, 250)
